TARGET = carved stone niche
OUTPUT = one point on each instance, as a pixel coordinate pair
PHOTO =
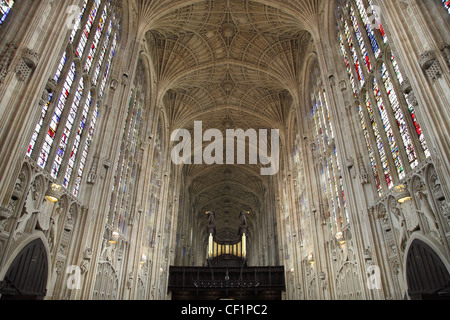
(430, 65)
(5, 213)
(26, 64)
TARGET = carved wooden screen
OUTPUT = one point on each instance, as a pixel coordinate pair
(27, 275)
(426, 274)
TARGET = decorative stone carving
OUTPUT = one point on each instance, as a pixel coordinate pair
(70, 220)
(399, 222)
(406, 86)
(6, 59)
(87, 253)
(412, 99)
(430, 65)
(26, 64)
(5, 213)
(51, 85)
(86, 263)
(53, 224)
(363, 175)
(425, 208)
(130, 280)
(445, 49)
(44, 216)
(367, 255)
(411, 216)
(92, 175)
(114, 84)
(332, 80)
(106, 164)
(125, 78)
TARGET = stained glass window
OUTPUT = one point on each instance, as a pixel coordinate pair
(360, 40)
(367, 139)
(125, 169)
(392, 134)
(379, 141)
(5, 8)
(64, 132)
(353, 54)
(331, 181)
(447, 5)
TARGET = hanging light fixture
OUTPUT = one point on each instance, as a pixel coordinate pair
(310, 259)
(402, 194)
(340, 238)
(54, 192)
(114, 237)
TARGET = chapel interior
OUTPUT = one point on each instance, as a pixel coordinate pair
(224, 149)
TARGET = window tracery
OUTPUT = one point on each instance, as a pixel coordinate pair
(128, 164)
(392, 134)
(63, 135)
(329, 167)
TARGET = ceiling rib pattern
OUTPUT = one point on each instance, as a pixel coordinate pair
(230, 64)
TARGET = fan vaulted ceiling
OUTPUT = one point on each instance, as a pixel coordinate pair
(230, 64)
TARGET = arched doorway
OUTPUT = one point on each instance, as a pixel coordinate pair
(26, 278)
(426, 274)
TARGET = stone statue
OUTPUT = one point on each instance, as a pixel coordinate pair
(426, 210)
(243, 217)
(211, 217)
(399, 222)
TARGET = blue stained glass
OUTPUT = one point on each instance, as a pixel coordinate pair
(5, 8)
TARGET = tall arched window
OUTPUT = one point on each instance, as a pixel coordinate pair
(329, 169)
(61, 141)
(393, 136)
(5, 8)
(128, 167)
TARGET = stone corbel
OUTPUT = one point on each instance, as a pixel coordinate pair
(49, 88)
(332, 81)
(350, 164)
(87, 253)
(406, 86)
(343, 85)
(367, 255)
(114, 84)
(106, 164)
(26, 64)
(430, 65)
(125, 78)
